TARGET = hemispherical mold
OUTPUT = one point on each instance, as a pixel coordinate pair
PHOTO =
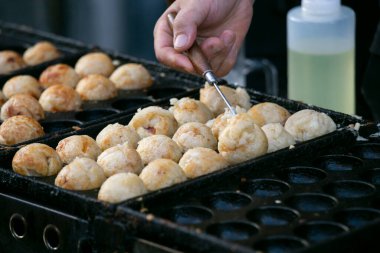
(302, 175)
(130, 103)
(164, 92)
(357, 217)
(52, 126)
(94, 114)
(312, 202)
(318, 231)
(369, 151)
(280, 244)
(273, 215)
(233, 230)
(189, 214)
(339, 163)
(350, 189)
(264, 188)
(226, 201)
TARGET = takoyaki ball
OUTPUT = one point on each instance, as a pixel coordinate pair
(158, 146)
(96, 87)
(154, 120)
(22, 84)
(41, 52)
(188, 110)
(201, 161)
(18, 129)
(194, 134)
(131, 76)
(219, 123)
(114, 134)
(81, 174)
(10, 61)
(36, 159)
(211, 98)
(22, 104)
(162, 173)
(278, 137)
(267, 112)
(94, 63)
(308, 124)
(242, 140)
(3, 99)
(60, 98)
(77, 146)
(59, 74)
(120, 158)
(120, 187)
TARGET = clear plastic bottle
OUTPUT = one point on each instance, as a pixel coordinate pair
(321, 58)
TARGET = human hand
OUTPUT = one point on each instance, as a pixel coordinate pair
(219, 26)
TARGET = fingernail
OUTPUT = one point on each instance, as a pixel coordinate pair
(228, 40)
(180, 41)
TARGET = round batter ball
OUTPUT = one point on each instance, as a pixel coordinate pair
(10, 61)
(188, 110)
(211, 98)
(162, 173)
(37, 160)
(267, 112)
(120, 158)
(120, 187)
(308, 124)
(22, 104)
(158, 146)
(201, 161)
(41, 52)
(194, 134)
(114, 134)
(131, 76)
(278, 137)
(22, 84)
(242, 140)
(81, 174)
(18, 129)
(59, 74)
(60, 98)
(77, 146)
(154, 120)
(219, 123)
(94, 63)
(96, 87)
(3, 99)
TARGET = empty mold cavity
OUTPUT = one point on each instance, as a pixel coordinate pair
(189, 214)
(350, 189)
(339, 163)
(233, 230)
(372, 176)
(369, 151)
(158, 93)
(280, 244)
(318, 231)
(302, 175)
(357, 217)
(265, 188)
(130, 103)
(312, 202)
(273, 215)
(226, 201)
(94, 114)
(58, 125)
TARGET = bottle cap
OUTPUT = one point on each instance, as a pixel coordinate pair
(320, 7)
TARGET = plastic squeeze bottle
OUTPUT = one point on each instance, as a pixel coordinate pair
(321, 45)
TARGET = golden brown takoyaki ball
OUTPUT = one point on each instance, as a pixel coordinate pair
(94, 63)
(120, 158)
(59, 74)
(22, 104)
(200, 161)
(211, 98)
(77, 146)
(22, 84)
(18, 129)
(120, 187)
(81, 174)
(10, 61)
(218, 124)
(3, 99)
(96, 87)
(162, 173)
(154, 120)
(131, 76)
(60, 98)
(194, 134)
(36, 159)
(114, 134)
(158, 146)
(188, 110)
(41, 52)
(242, 140)
(278, 137)
(308, 124)
(267, 112)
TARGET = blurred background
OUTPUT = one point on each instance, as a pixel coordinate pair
(127, 26)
